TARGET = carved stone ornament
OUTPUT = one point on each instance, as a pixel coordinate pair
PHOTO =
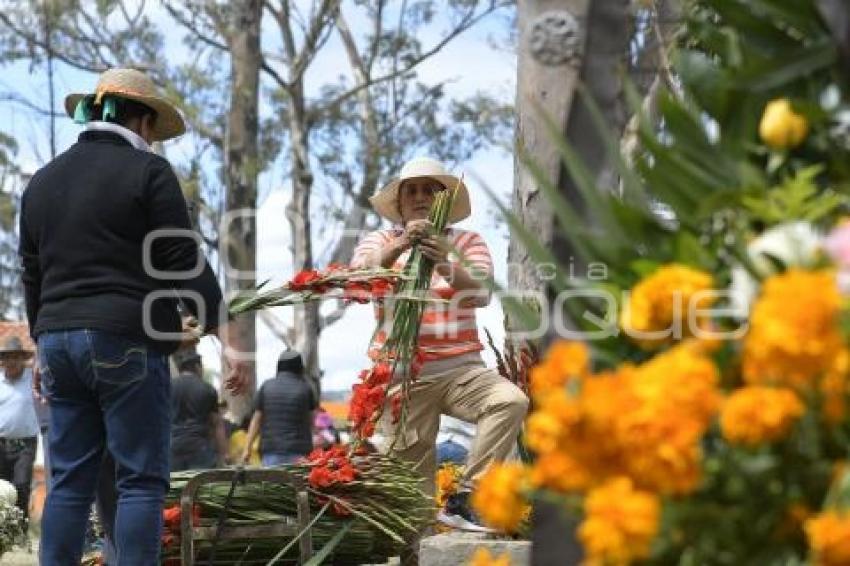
(555, 38)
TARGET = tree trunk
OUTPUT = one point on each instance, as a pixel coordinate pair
(549, 72)
(240, 236)
(307, 325)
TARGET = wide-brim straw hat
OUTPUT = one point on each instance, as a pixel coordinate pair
(13, 347)
(135, 85)
(385, 201)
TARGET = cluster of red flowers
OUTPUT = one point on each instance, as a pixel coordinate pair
(308, 280)
(364, 291)
(358, 289)
(368, 398)
(171, 523)
(330, 467)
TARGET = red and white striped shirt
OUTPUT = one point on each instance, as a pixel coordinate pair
(448, 329)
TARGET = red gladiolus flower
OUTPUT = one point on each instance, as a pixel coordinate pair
(320, 477)
(306, 281)
(381, 288)
(171, 518)
(356, 291)
(381, 374)
(367, 430)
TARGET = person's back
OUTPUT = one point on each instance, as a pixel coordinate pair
(194, 405)
(88, 213)
(287, 402)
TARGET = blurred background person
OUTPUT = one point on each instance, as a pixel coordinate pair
(18, 421)
(197, 428)
(283, 414)
(325, 433)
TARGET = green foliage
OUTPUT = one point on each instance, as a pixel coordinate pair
(701, 187)
(796, 198)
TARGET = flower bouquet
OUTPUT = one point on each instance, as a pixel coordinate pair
(364, 509)
(334, 282)
(706, 420)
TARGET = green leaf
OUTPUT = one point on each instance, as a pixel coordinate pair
(327, 549)
(291, 543)
(786, 67)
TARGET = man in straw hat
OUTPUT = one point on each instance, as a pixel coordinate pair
(453, 379)
(18, 420)
(105, 240)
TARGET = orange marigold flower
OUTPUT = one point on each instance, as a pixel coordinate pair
(835, 388)
(754, 415)
(564, 360)
(548, 425)
(828, 535)
(482, 557)
(447, 480)
(794, 336)
(657, 310)
(498, 497)
(669, 403)
(560, 472)
(620, 523)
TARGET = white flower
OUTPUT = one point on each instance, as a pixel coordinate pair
(794, 244)
(8, 493)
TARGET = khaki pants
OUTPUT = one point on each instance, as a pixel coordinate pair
(472, 393)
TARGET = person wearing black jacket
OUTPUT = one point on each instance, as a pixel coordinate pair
(283, 414)
(106, 247)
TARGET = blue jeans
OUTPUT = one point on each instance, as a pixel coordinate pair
(105, 391)
(273, 459)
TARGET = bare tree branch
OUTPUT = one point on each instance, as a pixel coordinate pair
(333, 316)
(377, 30)
(319, 25)
(281, 331)
(33, 39)
(204, 38)
(23, 101)
(466, 22)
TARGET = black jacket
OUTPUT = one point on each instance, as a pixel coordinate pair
(84, 220)
(287, 403)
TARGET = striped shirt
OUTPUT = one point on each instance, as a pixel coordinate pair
(448, 329)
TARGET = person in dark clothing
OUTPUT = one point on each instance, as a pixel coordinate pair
(283, 414)
(197, 429)
(106, 244)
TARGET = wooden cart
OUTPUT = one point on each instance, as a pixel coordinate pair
(286, 527)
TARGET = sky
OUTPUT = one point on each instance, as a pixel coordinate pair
(471, 63)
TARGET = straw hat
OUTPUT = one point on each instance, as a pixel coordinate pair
(385, 201)
(135, 85)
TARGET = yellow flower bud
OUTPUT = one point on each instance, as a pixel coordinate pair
(781, 127)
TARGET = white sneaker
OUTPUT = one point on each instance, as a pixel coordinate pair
(459, 523)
